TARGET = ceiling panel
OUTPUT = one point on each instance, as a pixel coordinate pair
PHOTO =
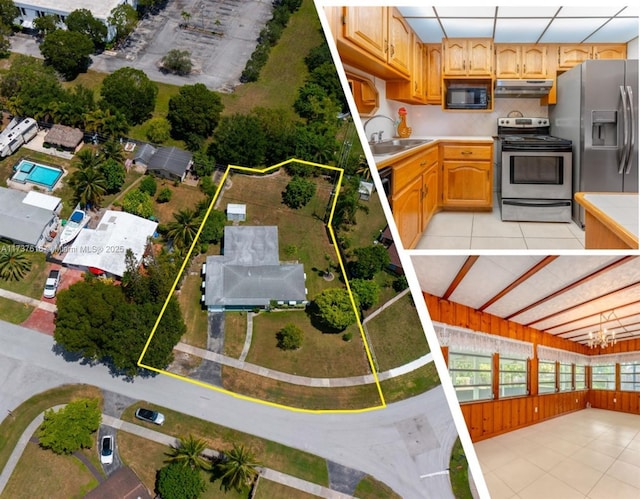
(590, 11)
(624, 28)
(428, 30)
(467, 28)
(525, 30)
(571, 30)
(436, 272)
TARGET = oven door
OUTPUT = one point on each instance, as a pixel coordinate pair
(536, 175)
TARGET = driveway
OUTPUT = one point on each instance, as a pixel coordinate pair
(406, 445)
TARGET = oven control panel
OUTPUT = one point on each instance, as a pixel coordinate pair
(523, 122)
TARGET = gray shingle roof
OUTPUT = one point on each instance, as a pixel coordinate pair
(144, 153)
(170, 159)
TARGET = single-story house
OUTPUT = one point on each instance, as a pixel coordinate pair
(28, 217)
(249, 273)
(170, 162)
(143, 154)
(102, 250)
(236, 212)
(30, 10)
(64, 137)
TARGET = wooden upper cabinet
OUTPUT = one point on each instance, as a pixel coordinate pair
(609, 51)
(414, 90)
(366, 27)
(571, 55)
(400, 42)
(433, 54)
(521, 61)
(467, 57)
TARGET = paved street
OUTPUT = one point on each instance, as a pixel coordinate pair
(397, 445)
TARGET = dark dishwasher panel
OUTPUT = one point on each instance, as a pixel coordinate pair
(386, 179)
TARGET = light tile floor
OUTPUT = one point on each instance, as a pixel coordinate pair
(589, 454)
(485, 230)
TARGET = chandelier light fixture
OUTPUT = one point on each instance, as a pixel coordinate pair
(603, 338)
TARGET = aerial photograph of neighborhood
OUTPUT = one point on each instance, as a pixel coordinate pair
(202, 289)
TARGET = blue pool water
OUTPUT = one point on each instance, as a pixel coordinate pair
(27, 171)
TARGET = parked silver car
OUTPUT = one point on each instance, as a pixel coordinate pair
(150, 416)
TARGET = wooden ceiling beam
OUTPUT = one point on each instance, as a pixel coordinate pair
(464, 270)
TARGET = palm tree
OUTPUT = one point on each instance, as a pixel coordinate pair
(189, 453)
(87, 159)
(237, 468)
(14, 263)
(184, 228)
(89, 185)
(112, 149)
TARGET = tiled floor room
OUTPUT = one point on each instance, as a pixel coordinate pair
(485, 230)
(592, 454)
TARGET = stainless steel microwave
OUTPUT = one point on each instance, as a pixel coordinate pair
(463, 97)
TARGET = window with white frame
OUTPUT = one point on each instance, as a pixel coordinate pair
(581, 377)
(630, 376)
(565, 378)
(603, 377)
(513, 377)
(546, 377)
(471, 375)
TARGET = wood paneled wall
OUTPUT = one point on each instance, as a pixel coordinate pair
(486, 419)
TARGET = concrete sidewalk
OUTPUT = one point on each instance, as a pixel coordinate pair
(10, 295)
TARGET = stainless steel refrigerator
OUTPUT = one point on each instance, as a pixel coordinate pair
(597, 109)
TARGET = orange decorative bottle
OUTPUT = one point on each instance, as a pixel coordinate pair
(404, 131)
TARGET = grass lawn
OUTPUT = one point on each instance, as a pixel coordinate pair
(459, 472)
(42, 473)
(322, 355)
(194, 316)
(276, 456)
(284, 69)
(13, 426)
(14, 312)
(370, 488)
(235, 332)
(370, 222)
(252, 385)
(33, 282)
(301, 233)
(411, 384)
(396, 335)
(274, 490)
(183, 196)
(131, 178)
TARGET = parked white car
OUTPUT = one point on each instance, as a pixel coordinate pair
(106, 450)
(52, 283)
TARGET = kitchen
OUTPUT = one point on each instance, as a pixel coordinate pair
(447, 95)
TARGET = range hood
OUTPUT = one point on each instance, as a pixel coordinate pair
(522, 88)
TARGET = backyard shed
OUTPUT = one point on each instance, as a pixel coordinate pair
(64, 137)
(236, 212)
(170, 162)
(365, 190)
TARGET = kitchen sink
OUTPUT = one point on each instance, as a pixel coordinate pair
(396, 145)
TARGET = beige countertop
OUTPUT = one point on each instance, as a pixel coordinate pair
(617, 211)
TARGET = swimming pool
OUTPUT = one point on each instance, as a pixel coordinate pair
(35, 173)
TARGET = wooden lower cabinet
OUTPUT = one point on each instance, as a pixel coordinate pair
(407, 207)
(466, 184)
(491, 418)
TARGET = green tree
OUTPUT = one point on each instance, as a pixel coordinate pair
(179, 482)
(73, 104)
(5, 42)
(114, 175)
(45, 24)
(298, 192)
(400, 283)
(164, 196)
(112, 149)
(14, 263)
(67, 52)
(138, 203)
(71, 428)
(194, 110)
(188, 452)
(213, 228)
(239, 140)
(107, 122)
(82, 21)
(158, 130)
(368, 292)
(149, 185)
(130, 92)
(8, 12)
(89, 186)
(369, 261)
(124, 19)
(178, 62)
(203, 164)
(334, 310)
(289, 337)
(279, 131)
(237, 468)
(182, 230)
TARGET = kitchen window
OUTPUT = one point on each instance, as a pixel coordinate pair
(546, 377)
(471, 375)
(630, 376)
(581, 377)
(565, 383)
(513, 377)
(603, 377)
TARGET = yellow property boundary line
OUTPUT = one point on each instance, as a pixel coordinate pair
(344, 275)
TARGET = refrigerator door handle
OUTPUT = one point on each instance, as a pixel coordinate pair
(632, 127)
(625, 131)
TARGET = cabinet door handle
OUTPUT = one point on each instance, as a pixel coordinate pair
(423, 163)
(466, 153)
(464, 64)
(517, 68)
(393, 50)
(524, 69)
(386, 46)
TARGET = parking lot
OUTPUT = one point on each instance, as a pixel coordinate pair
(221, 37)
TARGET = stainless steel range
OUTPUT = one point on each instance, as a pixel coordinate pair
(535, 170)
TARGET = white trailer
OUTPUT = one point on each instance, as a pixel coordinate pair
(16, 134)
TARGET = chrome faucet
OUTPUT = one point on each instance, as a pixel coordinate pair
(377, 136)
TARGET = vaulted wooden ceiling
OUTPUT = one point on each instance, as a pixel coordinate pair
(564, 295)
